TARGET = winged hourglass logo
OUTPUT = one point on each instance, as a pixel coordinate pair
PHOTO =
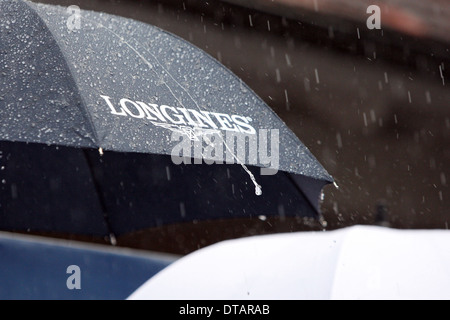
(193, 133)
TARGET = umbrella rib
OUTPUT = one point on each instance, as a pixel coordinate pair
(100, 197)
(147, 62)
(69, 69)
(296, 186)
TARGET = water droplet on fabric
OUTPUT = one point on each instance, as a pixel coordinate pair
(258, 190)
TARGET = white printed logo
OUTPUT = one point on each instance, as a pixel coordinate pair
(190, 122)
(193, 133)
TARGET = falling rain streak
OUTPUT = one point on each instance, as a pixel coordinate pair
(288, 60)
(373, 116)
(339, 140)
(307, 85)
(428, 97)
(182, 210)
(278, 75)
(316, 72)
(316, 6)
(287, 99)
(168, 173)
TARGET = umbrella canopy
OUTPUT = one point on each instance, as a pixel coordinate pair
(73, 82)
(353, 263)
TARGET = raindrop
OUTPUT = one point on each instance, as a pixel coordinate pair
(288, 60)
(335, 207)
(386, 79)
(262, 218)
(359, 35)
(250, 20)
(316, 6)
(409, 96)
(442, 75)
(323, 222)
(380, 122)
(168, 173)
(182, 210)
(112, 239)
(317, 76)
(100, 151)
(287, 100)
(3, 181)
(339, 140)
(258, 190)
(242, 87)
(373, 116)
(432, 163)
(331, 32)
(278, 75)
(281, 212)
(307, 85)
(268, 25)
(443, 179)
(428, 96)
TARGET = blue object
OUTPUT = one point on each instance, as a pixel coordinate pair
(31, 268)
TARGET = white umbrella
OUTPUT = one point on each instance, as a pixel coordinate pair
(359, 262)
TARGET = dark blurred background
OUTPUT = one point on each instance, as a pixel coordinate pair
(372, 105)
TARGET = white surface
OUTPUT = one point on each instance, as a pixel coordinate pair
(352, 263)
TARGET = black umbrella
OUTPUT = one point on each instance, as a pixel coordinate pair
(97, 111)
